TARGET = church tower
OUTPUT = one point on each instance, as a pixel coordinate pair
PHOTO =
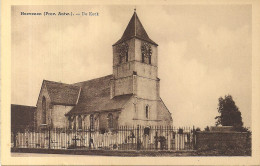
(135, 63)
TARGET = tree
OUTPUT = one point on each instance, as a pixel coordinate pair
(206, 128)
(229, 113)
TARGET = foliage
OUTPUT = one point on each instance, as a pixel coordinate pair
(206, 128)
(229, 113)
(198, 129)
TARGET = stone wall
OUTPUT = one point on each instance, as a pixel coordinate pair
(147, 88)
(164, 114)
(58, 117)
(123, 86)
(210, 140)
(43, 93)
(103, 120)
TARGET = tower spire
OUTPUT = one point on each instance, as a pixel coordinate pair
(135, 29)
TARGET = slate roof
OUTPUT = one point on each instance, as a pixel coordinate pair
(135, 29)
(95, 97)
(22, 116)
(63, 94)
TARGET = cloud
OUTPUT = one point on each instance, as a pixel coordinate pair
(192, 84)
(59, 49)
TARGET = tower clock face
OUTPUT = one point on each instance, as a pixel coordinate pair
(146, 50)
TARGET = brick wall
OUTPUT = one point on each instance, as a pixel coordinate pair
(209, 140)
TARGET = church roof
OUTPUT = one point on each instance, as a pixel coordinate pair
(95, 97)
(63, 94)
(135, 29)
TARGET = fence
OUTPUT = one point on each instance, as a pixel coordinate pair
(121, 138)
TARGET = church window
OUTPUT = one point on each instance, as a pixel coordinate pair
(70, 122)
(110, 121)
(43, 110)
(79, 122)
(91, 122)
(74, 123)
(122, 51)
(147, 112)
(146, 53)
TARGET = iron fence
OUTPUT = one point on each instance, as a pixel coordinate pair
(121, 138)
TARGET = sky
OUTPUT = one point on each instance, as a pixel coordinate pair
(204, 53)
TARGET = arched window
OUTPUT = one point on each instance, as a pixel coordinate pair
(142, 57)
(79, 122)
(122, 50)
(146, 53)
(150, 59)
(43, 110)
(74, 123)
(70, 122)
(147, 112)
(91, 122)
(110, 120)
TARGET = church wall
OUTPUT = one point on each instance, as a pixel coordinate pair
(44, 93)
(141, 112)
(147, 88)
(127, 114)
(123, 70)
(164, 114)
(103, 120)
(138, 52)
(141, 106)
(131, 51)
(100, 120)
(124, 86)
(59, 119)
(158, 113)
(86, 121)
(146, 70)
(134, 113)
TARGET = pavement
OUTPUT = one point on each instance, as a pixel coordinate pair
(46, 155)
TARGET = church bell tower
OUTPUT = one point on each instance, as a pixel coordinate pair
(135, 63)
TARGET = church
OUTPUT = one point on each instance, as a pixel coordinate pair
(130, 96)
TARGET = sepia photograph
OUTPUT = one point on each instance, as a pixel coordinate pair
(131, 80)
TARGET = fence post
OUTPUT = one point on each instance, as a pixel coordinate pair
(156, 139)
(90, 137)
(193, 138)
(49, 133)
(138, 139)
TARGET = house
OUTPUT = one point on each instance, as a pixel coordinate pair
(129, 96)
(22, 117)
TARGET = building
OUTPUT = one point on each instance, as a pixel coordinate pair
(130, 96)
(22, 117)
